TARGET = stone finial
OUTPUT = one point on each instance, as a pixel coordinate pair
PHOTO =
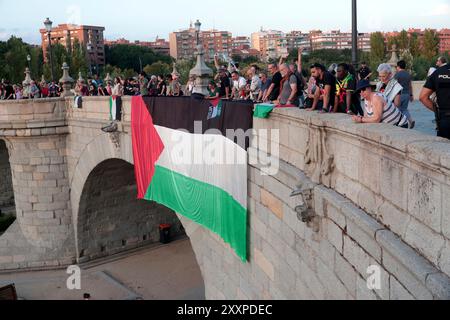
(175, 71)
(80, 77)
(201, 71)
(26, 83)
(394, 58)
(66, 81)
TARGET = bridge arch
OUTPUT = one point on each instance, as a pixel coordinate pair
(107, 161)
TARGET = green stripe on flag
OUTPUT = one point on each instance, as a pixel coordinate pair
(110, 108)
(263, 110)
(202, 203)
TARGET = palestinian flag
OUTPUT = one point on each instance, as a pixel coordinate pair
(264, 110)
(199, 174)
(115, 108)
(215, 109)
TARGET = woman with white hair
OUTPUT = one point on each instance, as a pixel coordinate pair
(388, 85)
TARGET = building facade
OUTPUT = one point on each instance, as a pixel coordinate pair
(183, 44)
(272, 44)
(336, 39)
(160, 46)
(240, 42)
(90, 37)
(444, 37)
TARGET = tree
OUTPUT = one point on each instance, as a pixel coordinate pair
(414, 45)
(378, 48)
(184, 67)
(78, 60)
(112, 70)
(60, 56)
(421, 65)
(157, 68)
(15, 60)
(430, 44)
(403, 40)
(132, 56)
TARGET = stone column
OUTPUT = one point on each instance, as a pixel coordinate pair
(41, 188)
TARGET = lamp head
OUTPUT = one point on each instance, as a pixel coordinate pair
(48, 24)
(197, 26)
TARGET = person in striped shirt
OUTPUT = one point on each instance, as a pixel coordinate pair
(377, 109)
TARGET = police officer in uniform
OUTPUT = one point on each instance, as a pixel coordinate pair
(439, 83)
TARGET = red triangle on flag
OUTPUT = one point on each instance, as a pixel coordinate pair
(147, 144)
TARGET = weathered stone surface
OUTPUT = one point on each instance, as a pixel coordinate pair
(381, 179)
(272, 203)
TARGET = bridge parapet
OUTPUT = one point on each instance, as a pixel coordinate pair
(399, 177)
(32, 117)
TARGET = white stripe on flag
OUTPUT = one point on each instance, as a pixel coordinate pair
(193, 156)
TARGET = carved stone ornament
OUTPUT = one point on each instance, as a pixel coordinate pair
(319, 162)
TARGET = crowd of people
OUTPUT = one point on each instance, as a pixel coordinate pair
(337, 89)
(34, 90)
(141, 85)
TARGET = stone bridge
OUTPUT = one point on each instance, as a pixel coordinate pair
(350, 203)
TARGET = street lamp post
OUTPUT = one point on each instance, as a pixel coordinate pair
(90, 48)
(48, 26)
(201, 72)
(354, 34)
(29, 62)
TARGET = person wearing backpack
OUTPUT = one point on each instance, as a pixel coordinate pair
(296, 69)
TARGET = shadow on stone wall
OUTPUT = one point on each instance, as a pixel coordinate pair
(7, 205)
(111, 219)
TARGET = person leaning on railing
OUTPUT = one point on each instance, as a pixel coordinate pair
(377, 109)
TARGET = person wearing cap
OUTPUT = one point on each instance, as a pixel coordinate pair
(377, 109)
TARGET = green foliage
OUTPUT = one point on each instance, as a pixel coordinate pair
(158, 68)
(131, 56)
(378, 48)
(78, 59)
(112, 70)
(184, 67)
(414, 45)
(430, 44)
(421, 65)
(13, 59)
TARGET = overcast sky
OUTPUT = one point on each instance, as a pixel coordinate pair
(146, 19)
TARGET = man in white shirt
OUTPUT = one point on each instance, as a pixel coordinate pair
(255, 85)
(239, 84)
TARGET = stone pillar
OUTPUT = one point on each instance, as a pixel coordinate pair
(6, 188)
(66, 81)
(26, 83)
(41, 185)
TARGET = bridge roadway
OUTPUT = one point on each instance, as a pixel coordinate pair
(365, 196)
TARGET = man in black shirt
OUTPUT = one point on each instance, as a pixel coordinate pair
(347, 101)
(364, 73)
(326, 84)
(225, 84)
(274, 90)
(9, 91)
(439, 83)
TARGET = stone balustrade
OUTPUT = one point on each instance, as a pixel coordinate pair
(376, 195)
